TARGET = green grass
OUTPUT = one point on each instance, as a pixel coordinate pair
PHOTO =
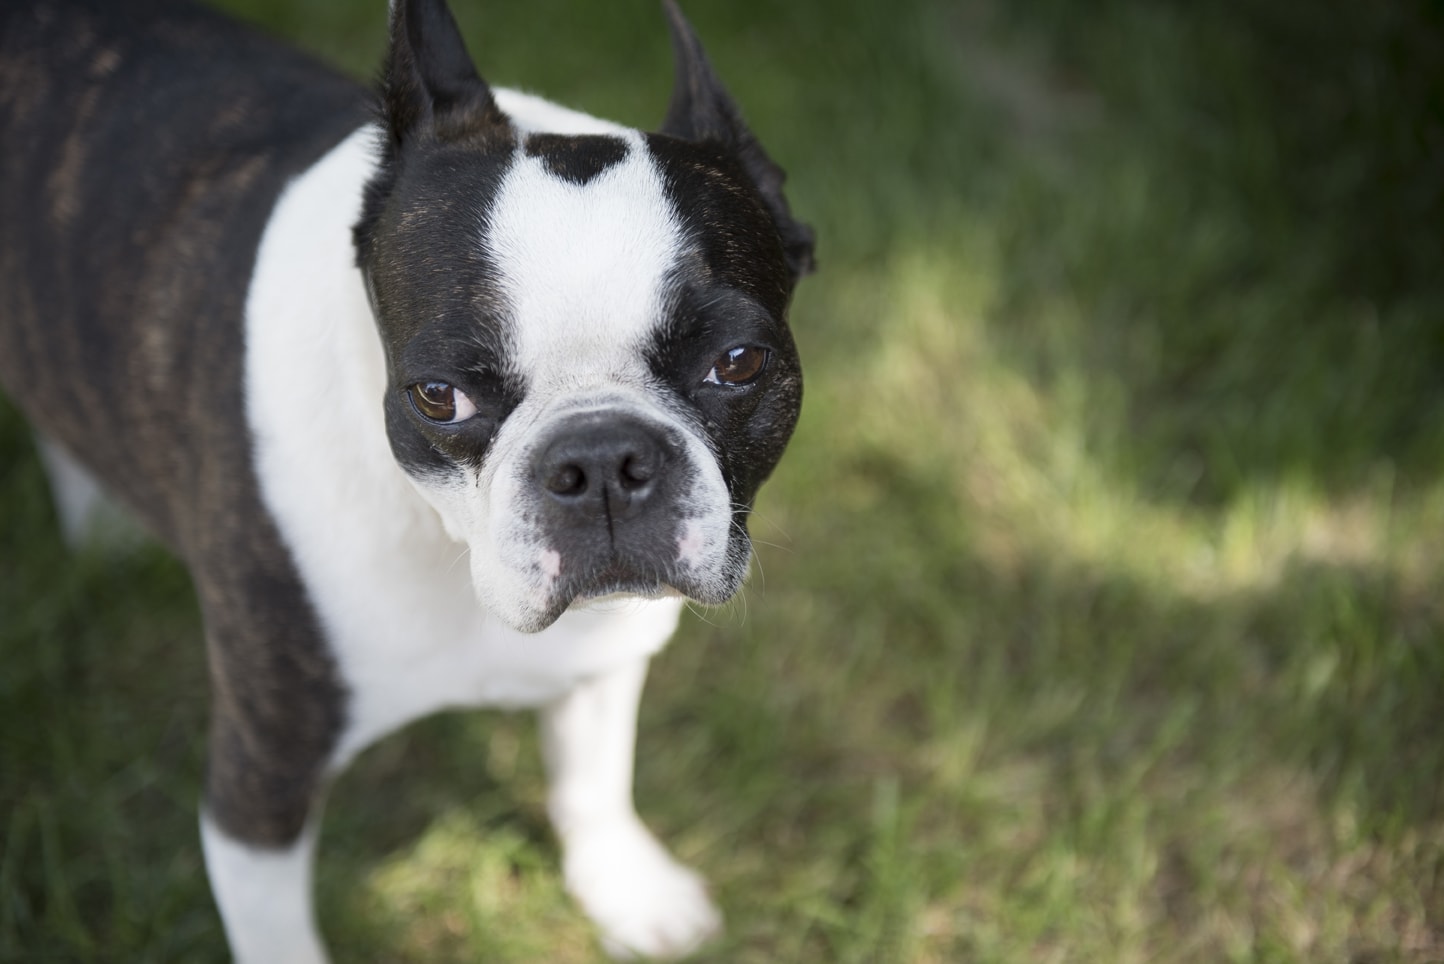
(1098, 614)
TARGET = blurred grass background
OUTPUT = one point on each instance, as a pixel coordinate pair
(1097, 614)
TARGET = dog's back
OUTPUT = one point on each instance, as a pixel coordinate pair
(145, 146)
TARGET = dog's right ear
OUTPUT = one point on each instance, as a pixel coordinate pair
(430, 88)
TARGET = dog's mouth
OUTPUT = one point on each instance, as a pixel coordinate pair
(598, 594)
(608, 599)
(616, 578)
(621, 584)
(618, 581)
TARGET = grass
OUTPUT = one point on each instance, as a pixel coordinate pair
(1098, 615)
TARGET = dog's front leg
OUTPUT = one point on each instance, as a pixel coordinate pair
(277, 710)
(643, 901)
(264, 896)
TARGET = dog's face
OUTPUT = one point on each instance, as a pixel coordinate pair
(590, 371)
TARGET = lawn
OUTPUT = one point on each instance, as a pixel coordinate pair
(1098, 611)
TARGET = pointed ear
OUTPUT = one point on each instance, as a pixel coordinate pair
(701, 110)
(429, 85)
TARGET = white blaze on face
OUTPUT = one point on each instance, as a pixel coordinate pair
(583, 267)
(584, 270)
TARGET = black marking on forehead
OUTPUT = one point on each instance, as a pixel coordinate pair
(577, 159)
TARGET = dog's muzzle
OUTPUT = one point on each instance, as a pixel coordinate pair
(608, 486)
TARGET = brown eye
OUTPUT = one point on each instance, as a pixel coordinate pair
(737, 366)
(441, 402)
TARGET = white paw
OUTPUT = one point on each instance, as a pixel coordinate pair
(643, 901)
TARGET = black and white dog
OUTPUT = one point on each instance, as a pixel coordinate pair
(324, 347)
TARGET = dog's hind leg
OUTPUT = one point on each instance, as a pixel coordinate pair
(643, 900)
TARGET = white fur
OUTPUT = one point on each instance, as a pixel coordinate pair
(390, 582)
(582, 267)
(531, 113)
(264, 898)
(644, 901)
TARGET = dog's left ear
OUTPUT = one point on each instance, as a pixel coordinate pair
(430, 86)
(701, 110)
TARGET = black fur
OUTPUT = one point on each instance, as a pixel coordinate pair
(144, 148)
(449, 327)
(431, 87)
(702, 111)
(445, 133)
(431, 96)
(736, 293)
(576, 159)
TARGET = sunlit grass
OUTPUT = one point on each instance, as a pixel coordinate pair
(1033, 466)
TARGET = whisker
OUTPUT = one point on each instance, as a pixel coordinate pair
(764, 519)
(752, 554)
(696, 609)
(465, 551)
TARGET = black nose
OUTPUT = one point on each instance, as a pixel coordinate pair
(608, 466)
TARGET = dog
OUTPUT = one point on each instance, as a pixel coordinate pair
(446, 396)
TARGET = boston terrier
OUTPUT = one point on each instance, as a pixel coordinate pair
(447, 396)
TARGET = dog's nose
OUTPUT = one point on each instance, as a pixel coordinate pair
(610, 466)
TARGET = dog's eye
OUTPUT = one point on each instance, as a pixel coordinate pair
(441, 402)
(737, 366)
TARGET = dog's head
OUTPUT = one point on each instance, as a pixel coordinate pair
(589, 366)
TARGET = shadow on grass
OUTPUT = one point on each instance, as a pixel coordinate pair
(1257, 268)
